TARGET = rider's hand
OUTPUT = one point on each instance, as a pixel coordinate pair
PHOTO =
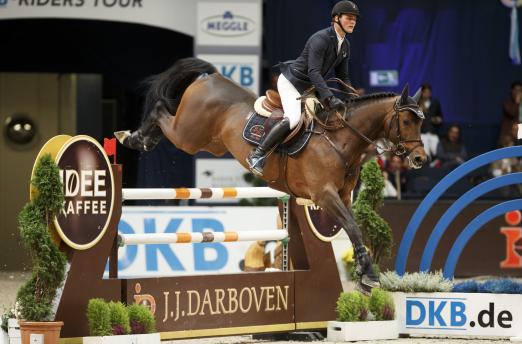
(336, 104)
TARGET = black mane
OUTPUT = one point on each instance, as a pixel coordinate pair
(370, 97)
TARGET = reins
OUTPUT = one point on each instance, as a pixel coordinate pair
(399, 149)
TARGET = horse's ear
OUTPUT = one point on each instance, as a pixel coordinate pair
(404, 96)
(417, 95)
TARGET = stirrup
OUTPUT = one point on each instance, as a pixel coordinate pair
(256, 167)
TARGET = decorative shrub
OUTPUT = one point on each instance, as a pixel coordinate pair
(36, 296)
(415, 282)
(381, 305)
(352, 306)
(141, 319)
(99, 318)
(119, 318)
(496, 286)
(376, 231)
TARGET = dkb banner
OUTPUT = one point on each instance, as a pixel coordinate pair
(188, 259)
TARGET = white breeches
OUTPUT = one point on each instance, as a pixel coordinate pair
(289, 98)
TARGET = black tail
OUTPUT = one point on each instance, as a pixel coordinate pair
(164, 90)
(169, 86)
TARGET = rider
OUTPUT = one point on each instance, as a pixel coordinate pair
(324, 51)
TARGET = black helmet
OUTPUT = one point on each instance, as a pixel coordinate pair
(345, 7)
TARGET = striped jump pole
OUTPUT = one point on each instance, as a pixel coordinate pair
(201, 193)
(208, 193)
(187, 238)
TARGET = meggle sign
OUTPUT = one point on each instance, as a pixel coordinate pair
(183, 259)
(459, 313)
(229, 24)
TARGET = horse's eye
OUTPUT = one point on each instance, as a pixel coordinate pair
(406, 122)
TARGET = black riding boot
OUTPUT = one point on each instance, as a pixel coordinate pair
(257, 157)
(364, 268)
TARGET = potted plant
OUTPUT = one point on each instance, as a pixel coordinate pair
(360, 317)
(35, 298)
(113, 323)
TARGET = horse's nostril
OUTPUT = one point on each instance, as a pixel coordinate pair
(418, 159)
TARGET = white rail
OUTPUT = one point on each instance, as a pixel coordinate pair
(198, 237)
(201, 193)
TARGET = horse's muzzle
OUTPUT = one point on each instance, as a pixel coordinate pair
(416, 160)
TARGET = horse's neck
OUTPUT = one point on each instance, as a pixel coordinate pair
(370, 121)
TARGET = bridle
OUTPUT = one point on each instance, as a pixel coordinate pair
(400, 147)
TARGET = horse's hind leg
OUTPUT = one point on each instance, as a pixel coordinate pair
(148, 134)
(331, 202)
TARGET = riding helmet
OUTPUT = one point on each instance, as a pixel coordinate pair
(345, 7)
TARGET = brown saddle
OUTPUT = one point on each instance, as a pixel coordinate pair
(270, 106)
(272, 101)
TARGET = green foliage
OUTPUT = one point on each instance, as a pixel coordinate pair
(36, 295)
(119, 318)
(352, 306)
(376, 231)
(381, 304)
(415, 282)
(141, 319)
(47, 181)
(99, 318)
(10, 314)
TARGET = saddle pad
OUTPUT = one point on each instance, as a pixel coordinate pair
(254, 131)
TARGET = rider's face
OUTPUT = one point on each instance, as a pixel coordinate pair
(348, 22)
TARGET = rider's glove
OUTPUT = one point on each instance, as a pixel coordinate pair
(336, 104)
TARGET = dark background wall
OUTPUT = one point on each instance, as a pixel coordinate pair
(124, 55)
(459, 47)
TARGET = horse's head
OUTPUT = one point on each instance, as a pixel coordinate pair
(402, 127)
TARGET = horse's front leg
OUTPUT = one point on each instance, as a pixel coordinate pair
(332, 203)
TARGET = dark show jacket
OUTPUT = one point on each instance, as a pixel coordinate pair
(318, 58)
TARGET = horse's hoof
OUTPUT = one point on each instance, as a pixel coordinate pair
(366, 284)
(122, 135)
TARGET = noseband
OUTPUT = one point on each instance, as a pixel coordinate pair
(400, 148)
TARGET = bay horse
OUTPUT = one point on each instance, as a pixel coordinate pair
(198, 109)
